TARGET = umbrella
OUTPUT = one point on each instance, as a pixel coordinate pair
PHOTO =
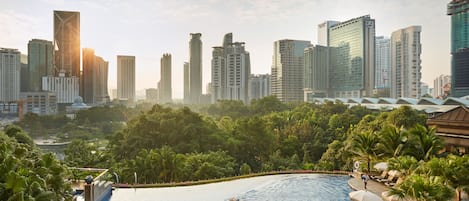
(381, 166)
(363, 195)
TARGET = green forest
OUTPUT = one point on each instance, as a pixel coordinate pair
(173, 143)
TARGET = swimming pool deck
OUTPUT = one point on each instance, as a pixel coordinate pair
(375, 187)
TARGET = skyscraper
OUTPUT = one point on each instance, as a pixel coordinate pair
(126, 78)
(186, 99)
(231, 68)
(459, 11)
(383, 62)
(10, 68)
(316, 70)
(40, 62)
(352, 58)
(164, 88)
(287, 70)
(67, 42)
(93, 83)
(405, 63)
(441, 84)
(323, 32)
(259, 86)
(24, 75)
(195, 68)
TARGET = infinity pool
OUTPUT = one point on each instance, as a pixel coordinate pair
(292, 187)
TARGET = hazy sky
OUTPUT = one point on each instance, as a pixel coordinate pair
(149, 28)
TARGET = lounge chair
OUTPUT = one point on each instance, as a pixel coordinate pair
(388, 179)
(382, 176)
(393, 183)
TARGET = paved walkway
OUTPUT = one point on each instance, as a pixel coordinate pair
(375, 187)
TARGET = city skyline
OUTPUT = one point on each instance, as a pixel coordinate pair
(258, 23)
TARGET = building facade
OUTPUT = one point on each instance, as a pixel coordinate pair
(352, 58)
(126, 78)
(40, 62)
(24, 73)
(39, 102)
(259, 86)
(287, 70)
(10, 68)
(441, 86)
(405, 63)
(316, 70)
(323, 32)
(65, 88)
(151, 95)
(459, 12)
(93, 83)
(164, 88)
(383, 63)
(186, 98)
(67, 43)
(195, 68)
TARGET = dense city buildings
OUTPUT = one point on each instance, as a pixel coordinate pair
(231, 67)
(67, 42)
(259, 86)
(195, 68)
(186, 96)
(316, 71)
(40, 63)
(405, 63)
(164, 87)
(323, 32)
(287, 70)
(352, 56)
(459, 12)
(39, 102)
(10, 68)
(93, 82)
(441, 86)
(126, 78)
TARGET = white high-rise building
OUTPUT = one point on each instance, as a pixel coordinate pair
(195, 68)
(405, 63)
(383, 62)
(231, 68)
(259, 86)
(10, 68)
(65, 88)
(126, 78)
(441, 86)
(164, 88)
(323, 32)
(287, 70)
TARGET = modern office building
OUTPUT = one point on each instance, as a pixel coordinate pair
(10, 68)
(459, 12)
(164, 88)
(186, 98)
(65, 88)
(24, 73)
(93, 83)
(287, 70)
(352, 58)
(231, 68)
(40, 62)
(316, 71)
(323, 32)
(259, 86)
(424, 89)
(441, 86)
(151, 95)
(195, 68)
(383, 62)
(405, 63)
(39, 102)
(126, 78)
(67, 43)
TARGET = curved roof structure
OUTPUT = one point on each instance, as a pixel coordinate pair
(430, 101)
(409, 101)
(456, 101)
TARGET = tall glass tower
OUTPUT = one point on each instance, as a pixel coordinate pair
(459, 12)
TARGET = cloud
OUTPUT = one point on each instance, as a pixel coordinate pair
(16, 29)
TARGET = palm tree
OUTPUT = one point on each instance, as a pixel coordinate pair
(406, 165)
(420, 188)
(392, 141)
(364, 147)
(453, 169)
(425, 142)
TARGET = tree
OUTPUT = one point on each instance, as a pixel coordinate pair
(425, 143)
(392, 141)
(453, 169)
(419, 188)
(364, 147)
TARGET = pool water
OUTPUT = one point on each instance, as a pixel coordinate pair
(292, 187)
